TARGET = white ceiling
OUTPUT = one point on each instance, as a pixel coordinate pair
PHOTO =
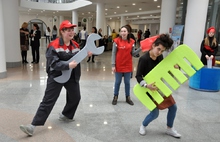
(143, 9)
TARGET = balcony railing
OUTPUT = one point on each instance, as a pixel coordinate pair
(53, 1)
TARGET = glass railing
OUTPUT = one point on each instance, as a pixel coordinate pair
(53, 1)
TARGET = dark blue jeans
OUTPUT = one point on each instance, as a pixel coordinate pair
(118, 78)
(155, 113)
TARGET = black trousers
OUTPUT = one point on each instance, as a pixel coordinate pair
(51, 95)
(24, 55)
(35, 53)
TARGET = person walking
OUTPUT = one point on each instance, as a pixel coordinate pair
(94, 30)
(48, 34)
(83, 36)
(145, 64)
(54, 32)
(122, 51)
(61, 49)
(35, 36)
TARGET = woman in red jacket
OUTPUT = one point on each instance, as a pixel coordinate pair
(122, 51)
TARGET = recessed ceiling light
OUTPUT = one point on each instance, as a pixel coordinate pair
(118, 6)
(115, 12)
(106, 9)
(133, 4)
(140, 8)
(89, 12)
(126, 11)
(158, 6)
(155, 0)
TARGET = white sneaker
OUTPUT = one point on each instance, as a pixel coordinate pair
(64, 118)
(173, 132)
(142, 130)
(28, 129)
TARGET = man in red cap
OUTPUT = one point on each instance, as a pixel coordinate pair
(61, 49)
(209, 47)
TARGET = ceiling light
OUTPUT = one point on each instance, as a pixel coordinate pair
(126, 11)
(115, 12)
(106, 9)
(155, 0)
(158, 6)
(133, 4)
(82, 13)
(118, 6)
(140, 8)
(89, 12)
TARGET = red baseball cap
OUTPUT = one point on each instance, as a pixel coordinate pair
(66, 24)
(211, 29)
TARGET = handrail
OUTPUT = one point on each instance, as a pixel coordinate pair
(53, 1)
(75, 4)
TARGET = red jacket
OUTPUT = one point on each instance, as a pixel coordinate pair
(123, 59)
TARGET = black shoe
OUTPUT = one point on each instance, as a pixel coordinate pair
(26, 62)
(114, 101)
(93, 61)
(129, 101)
(33, 62)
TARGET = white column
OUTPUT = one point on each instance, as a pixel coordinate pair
(75, 20)
(61, 18)
(12, 35)
(105, 27)
(100, 15)
(168, 15)
(3, 71)
(195, 24)
(123, 21)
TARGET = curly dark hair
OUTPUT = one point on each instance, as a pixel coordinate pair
(164, 40)
(36, 25)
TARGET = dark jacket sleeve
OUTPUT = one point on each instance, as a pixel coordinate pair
(54, 62)
(202, 48)
(215, 49)
(142, 65)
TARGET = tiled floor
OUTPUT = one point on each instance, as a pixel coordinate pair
(97, 120)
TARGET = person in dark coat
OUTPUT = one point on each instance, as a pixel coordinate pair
(147, 34)
(209, 47)
(35, 36)
(24, 42)
(59, 50)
